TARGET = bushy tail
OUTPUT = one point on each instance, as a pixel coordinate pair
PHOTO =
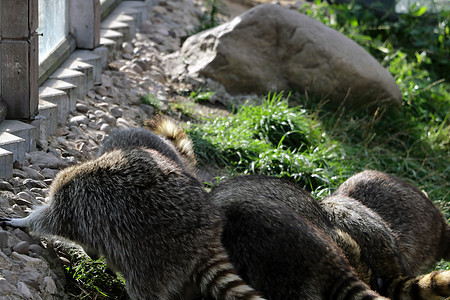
(218, 279)
(170, 130)
(432, 286)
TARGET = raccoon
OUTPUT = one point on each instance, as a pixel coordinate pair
(379, 254)
(277, 250)
(148, 217)
(167, 138)
(364, 238)
(423, 235)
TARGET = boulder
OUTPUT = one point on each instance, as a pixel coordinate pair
(273, 48)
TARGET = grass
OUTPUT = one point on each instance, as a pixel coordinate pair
(90, 279)
(319, 147)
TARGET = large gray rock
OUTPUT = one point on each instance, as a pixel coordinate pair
(271, 47)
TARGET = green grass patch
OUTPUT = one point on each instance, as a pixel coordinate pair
(320, 148)
(90, 279)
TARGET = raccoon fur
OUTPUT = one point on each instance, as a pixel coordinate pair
(148, 217)
(423, 235)
(364, 238)
(167, 138)
(379, 253)
(277, 250)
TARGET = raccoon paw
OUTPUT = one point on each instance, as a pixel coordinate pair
(5, 221)
(435, 285)
(12, 222)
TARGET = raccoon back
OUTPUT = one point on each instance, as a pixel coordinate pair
(422, 231)
(278, 251)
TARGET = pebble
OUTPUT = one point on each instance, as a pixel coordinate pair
(4, 185)
(4, 236)
(77, 120)
(36, 249)
(127, 48)
(32, 173)
(116, 112)
(5, 287)
(46, 160)
(22, 247)
(50, 285)
(32, 183)
(106, 128)
(49, 173)
(24, 198)
(82, 108)
(21, 235)
(101, 90)
(24, 290)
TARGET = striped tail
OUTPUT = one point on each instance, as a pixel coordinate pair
(432, 286)
(218, 279)
(170, 130)
(353, 288)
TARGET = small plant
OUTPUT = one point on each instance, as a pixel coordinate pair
(200, 96)
(150, 99)
(210, 17)
(90, 279)
(269, 139)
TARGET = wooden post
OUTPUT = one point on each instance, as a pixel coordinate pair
(19, 57)
(85, 23)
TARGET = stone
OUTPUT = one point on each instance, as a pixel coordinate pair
(24, 290)
(28, 261)
(10, 277)
(127, 48)
(101, 90)
(4, 185)
(49, 173)
(46, 160)
(273, 48)
(32, 183)
(24, 198)
(116, 112)
(22, 247)
(105, 127)
(5, 287)
(19, 173)
(4, 236)
(36, 249)
(50, 285)
(109, 118)
(82, 108)
(32, 173)
(77, 120)
(22, 236)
